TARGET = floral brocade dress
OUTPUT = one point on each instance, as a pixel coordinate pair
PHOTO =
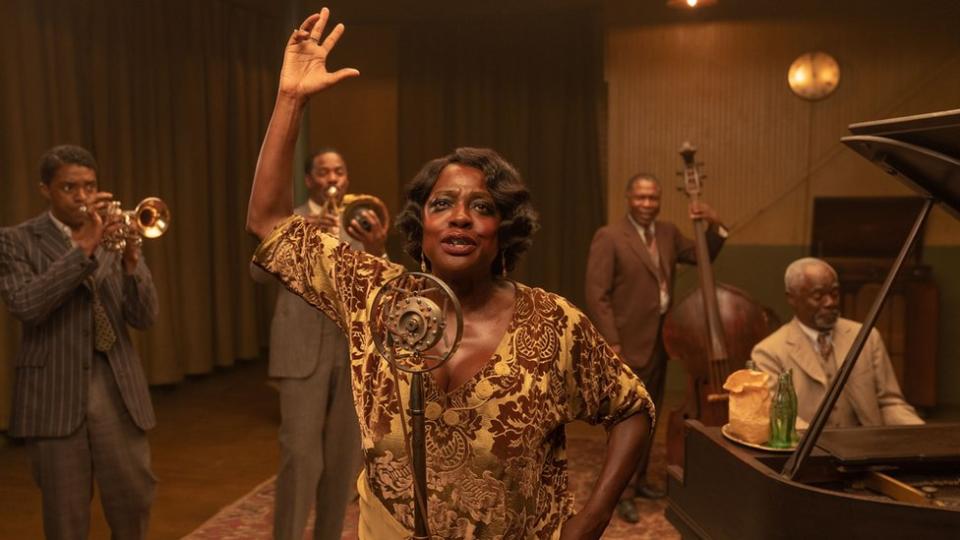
(496, 455)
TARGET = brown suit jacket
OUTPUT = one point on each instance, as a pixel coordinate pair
(872, 388)
(43, 283)
(622, 290)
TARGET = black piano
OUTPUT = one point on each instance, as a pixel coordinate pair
(881, 482)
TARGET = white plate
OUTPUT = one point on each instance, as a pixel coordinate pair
(725, 430)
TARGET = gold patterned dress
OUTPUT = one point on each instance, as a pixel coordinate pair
(496, 454)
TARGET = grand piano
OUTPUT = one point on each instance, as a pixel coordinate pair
(879, 482)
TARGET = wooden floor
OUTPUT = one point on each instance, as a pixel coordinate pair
(216, 438)
(215, 441)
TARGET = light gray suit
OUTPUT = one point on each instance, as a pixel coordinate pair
(319, 433)
(68, 401)
(872, 389)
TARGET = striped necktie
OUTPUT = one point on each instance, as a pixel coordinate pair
(104, 335)
(825, 346)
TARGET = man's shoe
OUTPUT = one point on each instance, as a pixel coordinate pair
(627, 511)
(650, 492)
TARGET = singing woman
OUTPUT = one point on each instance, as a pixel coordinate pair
(529, 362)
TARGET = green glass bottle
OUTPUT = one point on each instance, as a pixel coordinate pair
(794, 437)
(783, 414)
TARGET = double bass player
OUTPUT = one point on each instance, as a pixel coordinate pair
(629, 288)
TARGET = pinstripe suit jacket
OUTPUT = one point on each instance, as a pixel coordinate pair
(43, 283)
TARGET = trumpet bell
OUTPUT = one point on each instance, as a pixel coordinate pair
(353, 207)
(151, 217)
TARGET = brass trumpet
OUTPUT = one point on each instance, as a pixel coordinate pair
(331, 205)
(355, 204)
(352, 206)
(150, 219)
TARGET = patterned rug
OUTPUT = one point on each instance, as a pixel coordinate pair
(251, 517)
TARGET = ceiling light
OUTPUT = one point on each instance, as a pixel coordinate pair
(690, 4)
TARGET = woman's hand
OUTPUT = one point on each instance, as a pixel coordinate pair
(624, 444)
(583, 527)
(304, 71)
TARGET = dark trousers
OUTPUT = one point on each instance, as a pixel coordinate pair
(654, 377)
(108, 448)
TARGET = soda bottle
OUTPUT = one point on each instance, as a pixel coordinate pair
(794, 437)
(783, 415)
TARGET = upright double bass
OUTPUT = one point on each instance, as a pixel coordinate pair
(711, 331)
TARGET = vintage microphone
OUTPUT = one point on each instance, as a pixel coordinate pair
(409, 318)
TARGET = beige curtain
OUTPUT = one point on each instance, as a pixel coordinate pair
(172, 97)
(529, 87)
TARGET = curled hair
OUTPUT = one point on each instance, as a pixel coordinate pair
(65, 154)
(794, 276)
(518, 218)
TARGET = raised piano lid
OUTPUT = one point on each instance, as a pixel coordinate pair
(928, 171)
(939, 131)
(923, 151)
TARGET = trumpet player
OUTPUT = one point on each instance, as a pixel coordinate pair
(80, 396)
(319, 434)
(327, 181)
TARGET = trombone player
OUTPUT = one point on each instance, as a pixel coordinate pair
(80, 396)
(319, 433)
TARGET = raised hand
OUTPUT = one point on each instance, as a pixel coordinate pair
(304, 71)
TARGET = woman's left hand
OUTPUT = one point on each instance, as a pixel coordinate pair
(624, 443)
(583, 527)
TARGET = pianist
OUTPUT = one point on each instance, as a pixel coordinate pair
(815, 343)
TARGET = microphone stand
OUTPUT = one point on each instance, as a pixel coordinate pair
(419, 457)
(415, 323)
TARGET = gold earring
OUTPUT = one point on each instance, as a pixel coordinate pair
(423, 263)
(503, 264)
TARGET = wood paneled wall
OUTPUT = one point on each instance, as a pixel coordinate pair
(722, 85)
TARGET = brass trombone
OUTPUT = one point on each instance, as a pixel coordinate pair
(150, 219)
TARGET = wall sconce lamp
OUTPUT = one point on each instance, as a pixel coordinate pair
(813, 75)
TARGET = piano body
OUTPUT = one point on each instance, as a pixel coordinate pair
(726, 490)
(878, 482)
